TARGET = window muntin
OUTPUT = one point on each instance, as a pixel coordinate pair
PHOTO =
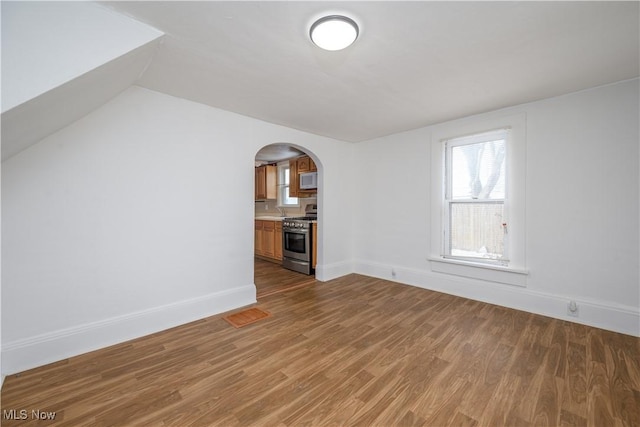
(475, 193)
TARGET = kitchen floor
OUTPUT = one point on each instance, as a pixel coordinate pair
(271, 278)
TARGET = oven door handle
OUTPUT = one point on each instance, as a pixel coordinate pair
(296, 230)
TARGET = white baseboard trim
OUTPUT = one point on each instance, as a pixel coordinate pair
(327, 272)
(610, 316)
(28, 353)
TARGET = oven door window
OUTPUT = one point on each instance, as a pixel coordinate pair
(295, 242)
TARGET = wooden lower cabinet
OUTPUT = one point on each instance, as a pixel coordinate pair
(278, 241)
(257, 243)
(268, 239)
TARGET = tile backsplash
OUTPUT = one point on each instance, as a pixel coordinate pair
(268, 207)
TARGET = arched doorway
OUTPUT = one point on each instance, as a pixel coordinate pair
(285, 250)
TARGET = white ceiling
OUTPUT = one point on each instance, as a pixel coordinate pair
(276, 152)
(414, 63)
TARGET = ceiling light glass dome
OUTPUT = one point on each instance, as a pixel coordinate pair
(334, 32)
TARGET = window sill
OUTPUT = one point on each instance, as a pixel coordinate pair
(476, 270)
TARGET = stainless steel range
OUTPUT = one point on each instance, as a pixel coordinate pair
(296, 241)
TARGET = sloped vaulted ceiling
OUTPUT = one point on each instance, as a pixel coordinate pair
(414, 63)
(61, 60)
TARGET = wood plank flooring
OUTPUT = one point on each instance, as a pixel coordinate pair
(271, 278)
(355, 351)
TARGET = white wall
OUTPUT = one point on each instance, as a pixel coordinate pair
(582, 209)
(139, 217)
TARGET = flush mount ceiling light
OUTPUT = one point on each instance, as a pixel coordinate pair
(334, 32)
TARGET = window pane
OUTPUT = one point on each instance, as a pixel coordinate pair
(285, 197)
(476, 230)
(283, 186)
(477, 170)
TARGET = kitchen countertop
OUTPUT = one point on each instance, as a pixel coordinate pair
(276, 218)
(270, 218)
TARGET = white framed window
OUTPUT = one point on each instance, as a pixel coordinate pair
(284, 181)
(478, 195)
(475, 193)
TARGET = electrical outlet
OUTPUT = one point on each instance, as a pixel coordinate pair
(572, 309)
(393, 273)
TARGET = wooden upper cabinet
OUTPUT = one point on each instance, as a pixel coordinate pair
(296, 167)
(266, 182)
(260, 184)
(294, 179)
(306, 164)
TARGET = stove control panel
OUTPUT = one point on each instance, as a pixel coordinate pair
(295, 224)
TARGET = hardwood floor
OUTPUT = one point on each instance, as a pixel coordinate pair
(354, 351)
(271, 278)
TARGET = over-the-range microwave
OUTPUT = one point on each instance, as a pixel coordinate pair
(308, 181)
